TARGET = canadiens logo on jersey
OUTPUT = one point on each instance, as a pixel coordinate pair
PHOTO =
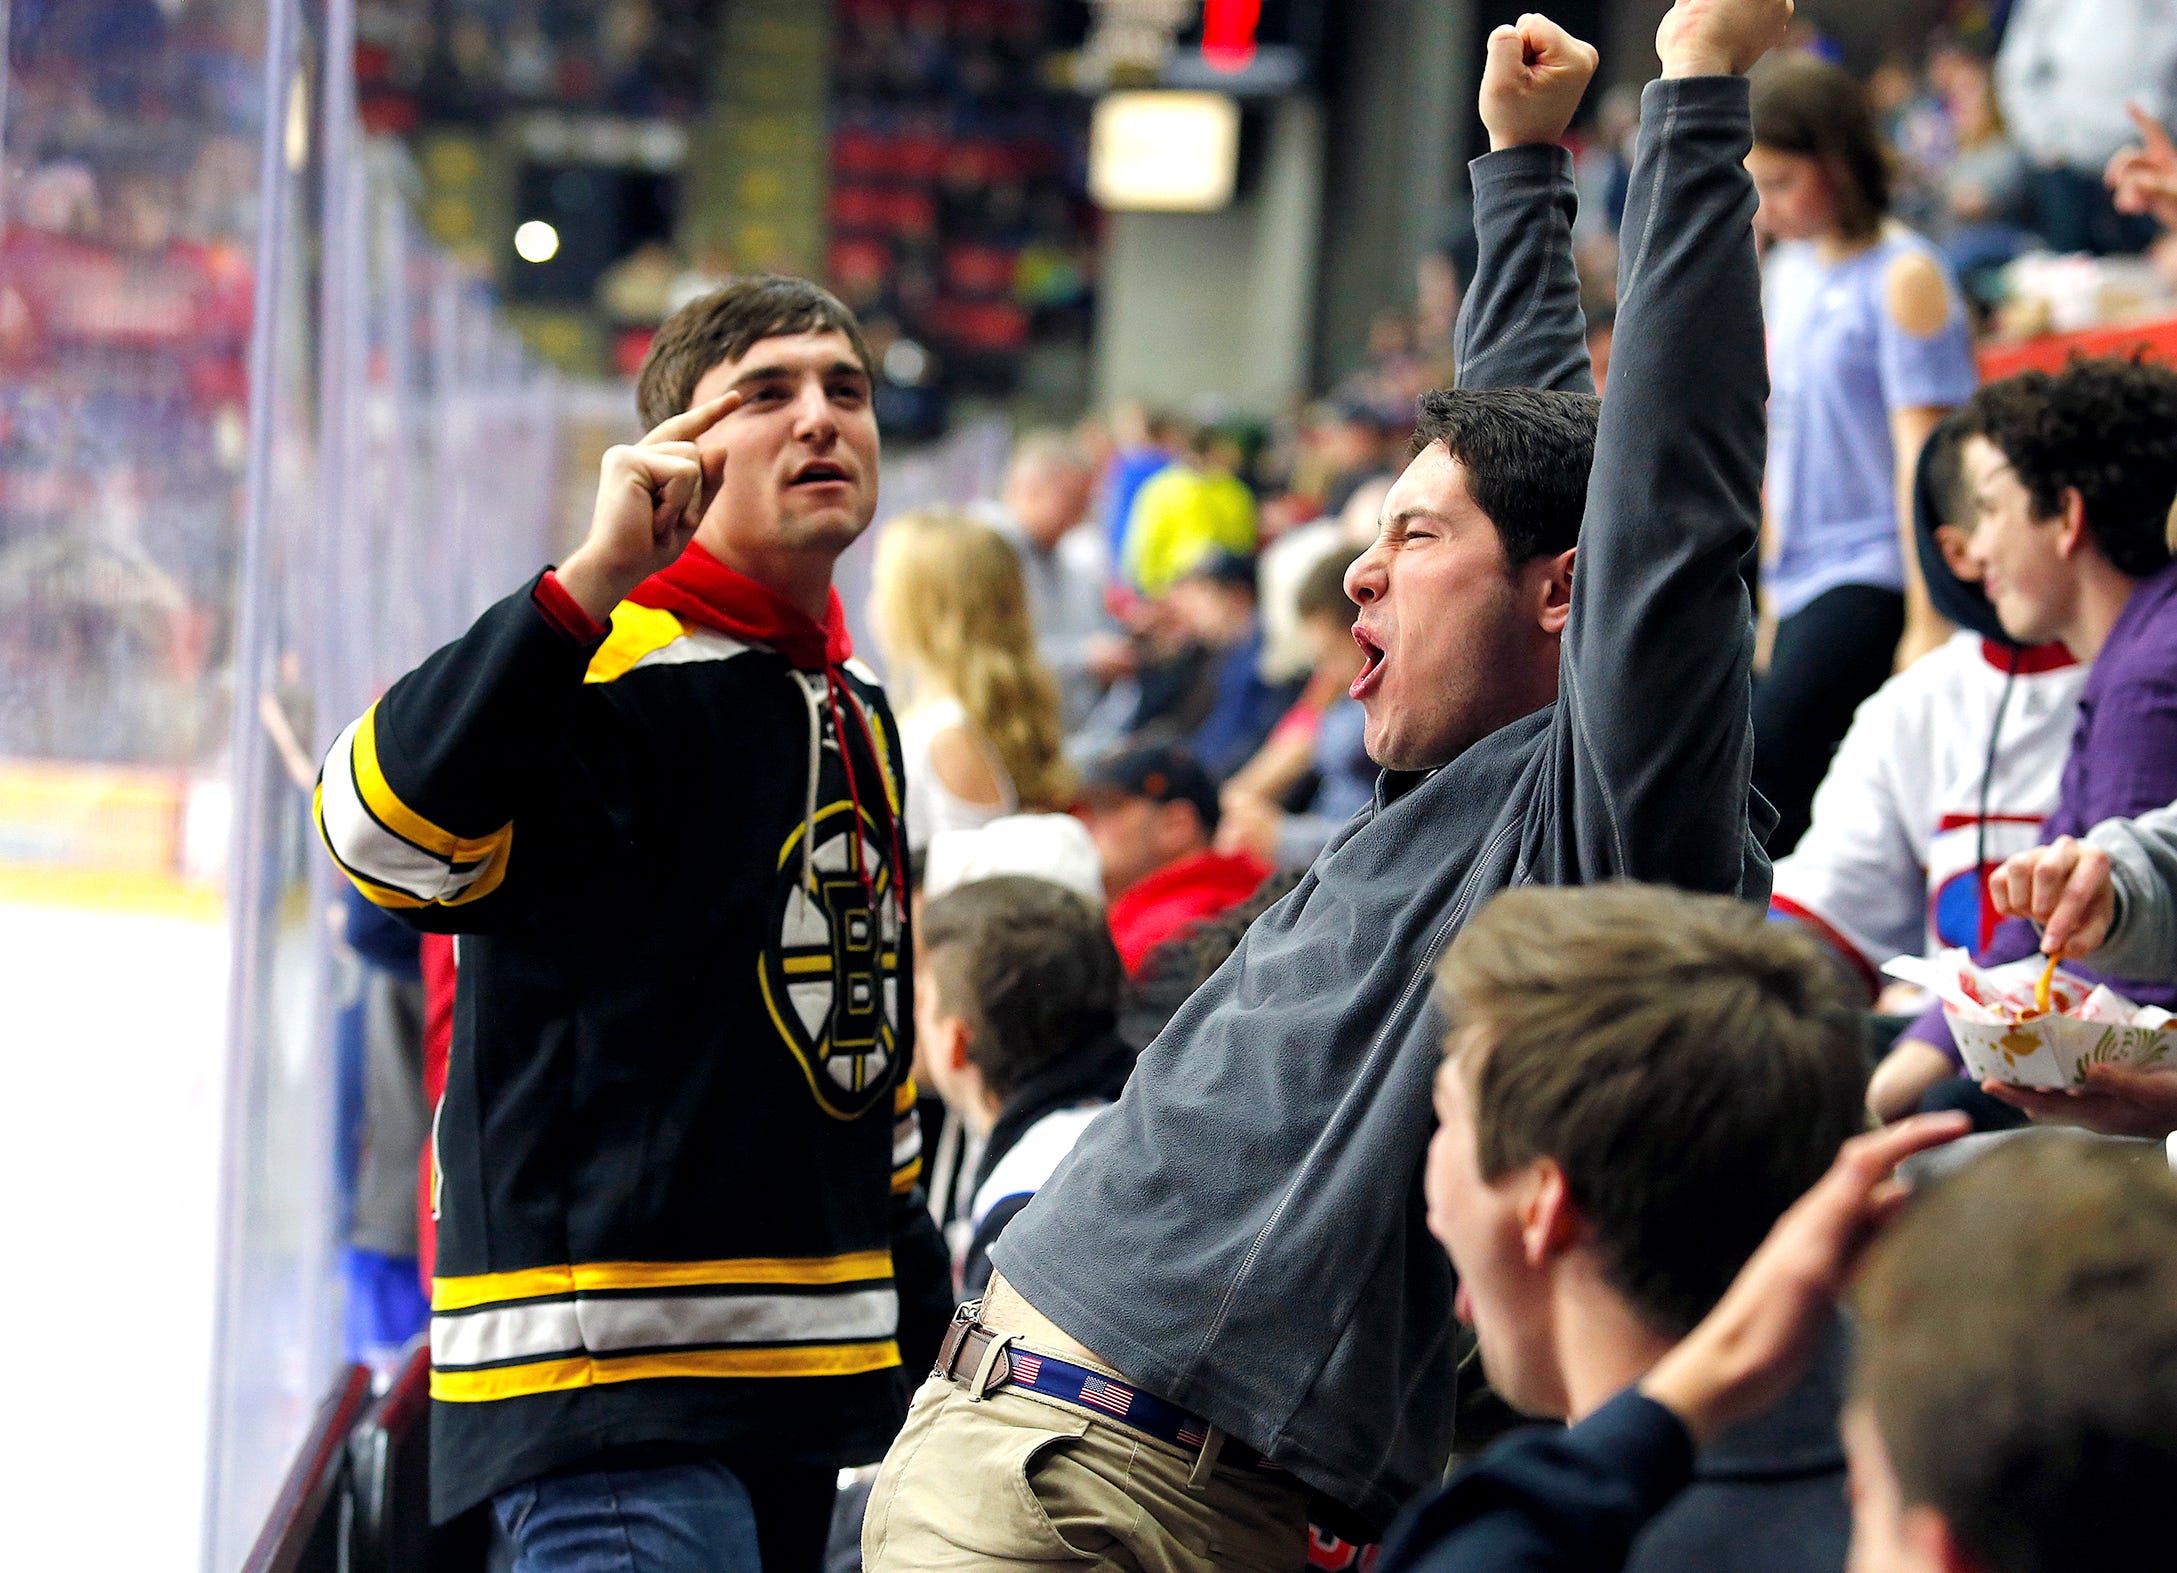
(830, 978)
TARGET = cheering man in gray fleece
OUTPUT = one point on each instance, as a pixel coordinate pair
(1227, 1301)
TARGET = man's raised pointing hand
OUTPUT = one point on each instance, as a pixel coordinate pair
(650, 499)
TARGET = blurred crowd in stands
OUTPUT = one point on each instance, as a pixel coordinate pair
(959, 225)
(477, 59)
(958, 231)
(959, 217)
(1996, 139)
(125, 297)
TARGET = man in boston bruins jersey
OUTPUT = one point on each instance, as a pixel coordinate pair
(682, 1254)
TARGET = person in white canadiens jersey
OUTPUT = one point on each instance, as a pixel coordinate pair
(1948, 769)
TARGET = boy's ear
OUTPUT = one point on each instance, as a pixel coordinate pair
(1954, 544)
(2071, 532)
(1550, 1223)
(953, 1051)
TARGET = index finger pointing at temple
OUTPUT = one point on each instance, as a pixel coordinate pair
(692, 423)
(2151, 130)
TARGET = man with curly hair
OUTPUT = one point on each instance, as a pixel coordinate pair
(2071, 478)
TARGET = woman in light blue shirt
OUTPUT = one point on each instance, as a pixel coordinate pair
(1868, 350)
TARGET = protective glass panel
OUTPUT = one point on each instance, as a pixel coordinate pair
(261, 449)
(131, 154)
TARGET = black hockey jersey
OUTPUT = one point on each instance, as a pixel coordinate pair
(675, 1164)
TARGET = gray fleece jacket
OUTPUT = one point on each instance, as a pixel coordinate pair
(2142, 943)
(1243, 1233)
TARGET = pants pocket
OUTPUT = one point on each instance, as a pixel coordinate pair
(1067, 1500)
(956, 1493)
(512, 1508)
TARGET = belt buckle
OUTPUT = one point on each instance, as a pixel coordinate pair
(955, 1339)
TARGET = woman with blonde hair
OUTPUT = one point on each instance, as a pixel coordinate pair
(979, 712)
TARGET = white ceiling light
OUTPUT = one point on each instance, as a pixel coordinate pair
(1164, 152)
(536, 241)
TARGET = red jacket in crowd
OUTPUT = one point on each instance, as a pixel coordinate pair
(1178, 896)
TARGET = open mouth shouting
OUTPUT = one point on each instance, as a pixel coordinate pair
(1373, 656)
(817, 473)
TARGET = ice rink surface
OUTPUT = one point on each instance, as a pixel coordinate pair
(116, 1037)
(116, 1047)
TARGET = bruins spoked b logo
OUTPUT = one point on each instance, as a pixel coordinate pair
(830, 975)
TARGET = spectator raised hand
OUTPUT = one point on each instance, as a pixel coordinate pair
(651, 496)
(2144, 178)
(1752, 1347)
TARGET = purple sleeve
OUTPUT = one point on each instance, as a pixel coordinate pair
(1928, 370)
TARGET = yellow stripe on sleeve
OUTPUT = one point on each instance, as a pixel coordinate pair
(385, 805)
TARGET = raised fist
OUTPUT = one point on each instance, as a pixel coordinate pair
(650, 498)
(1532, 82)
(1720, 37)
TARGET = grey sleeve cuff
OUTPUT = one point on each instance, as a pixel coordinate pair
(1721, 104)
(2142, 941)
(1539, 169)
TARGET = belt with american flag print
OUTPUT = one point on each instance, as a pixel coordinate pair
(967, 1348)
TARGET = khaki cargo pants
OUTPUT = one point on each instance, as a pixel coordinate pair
(1011, 1479)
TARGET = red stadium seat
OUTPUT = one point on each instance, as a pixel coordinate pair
(863, 154)
(972, 269)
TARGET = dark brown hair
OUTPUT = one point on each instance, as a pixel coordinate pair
(2018, 1347)
(1029, 966)
(1690, 1067)
(724, 325)
(1526, 453)
(2106, 427)
(1808, 106)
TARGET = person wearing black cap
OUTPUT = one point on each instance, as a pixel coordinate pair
(1153, 812)
(1947, 770)
(1357, 441)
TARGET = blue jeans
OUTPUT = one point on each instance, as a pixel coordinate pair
(693, 1517)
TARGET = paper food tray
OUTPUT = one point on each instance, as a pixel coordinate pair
(2048, 1052)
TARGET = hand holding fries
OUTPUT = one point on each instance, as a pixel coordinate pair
(2065, 888)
